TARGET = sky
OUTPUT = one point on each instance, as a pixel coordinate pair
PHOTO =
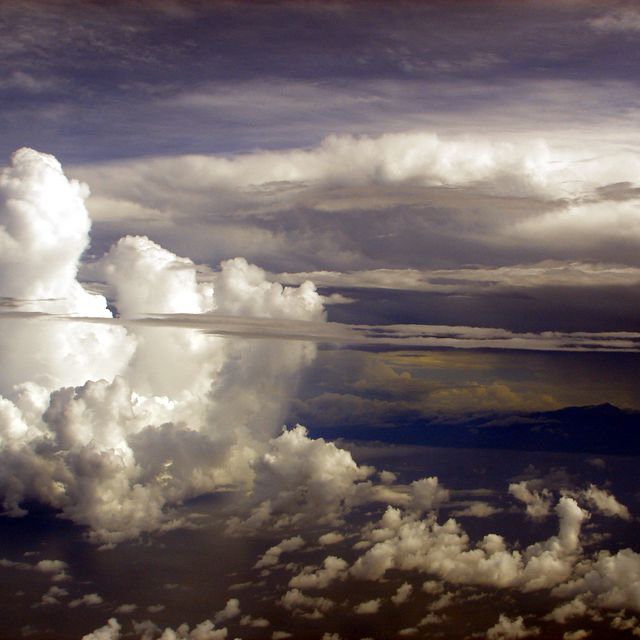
(319, 319)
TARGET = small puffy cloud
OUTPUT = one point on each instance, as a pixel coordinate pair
(111, 631)
(578, 634)
(573, 609)
(231, 610)
(432, 586)
(402, 594)
(443, 601)
(476, 510)
(508, 629)
(427, 494)
(250, 621)
(319, 578)
(272, 556)
(51, 566)
(621, 623)
(206, 630)
(56, 569)
(155, 608)
(126, 608)
(368, 607)
(296, 601)
(87, 600)
(603, 502)
(281, 635)
(432, 618)
(333, 537)
(387, 477)
(538, 502)
(52, 596)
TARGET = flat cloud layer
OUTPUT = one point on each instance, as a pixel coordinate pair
(483, 193)
(509, 229)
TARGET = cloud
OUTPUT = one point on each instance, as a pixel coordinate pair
(427, 494)
(538, 502)
(578, 634)
(475, 510)
(508, 629)
(301, 604)
(443, 601)
(313, 578)
(469, 280)
(403, 541)
(231, 610)
(267, 180)
(56, 569)
(332, 537)
(432, 618)
(612, 579)
(111, 631)
(368, 608)
(603, 502)
(51, 597)
(126, 608)
(256, 623)
(587, 224)
(617, 22)
(432, 586)
(402, 594)
(572, 609)
(44, 229)
(148, 631)
(301, 479)
(621, 623)
(272, 555)
(87, 600)
(112, 424)
(490, 200)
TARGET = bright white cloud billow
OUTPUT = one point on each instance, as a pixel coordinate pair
(497, 166)
(404, 541)
(107, 423)
(500, 192)
(44, 228)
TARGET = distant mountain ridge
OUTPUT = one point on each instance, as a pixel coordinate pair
(603, 428)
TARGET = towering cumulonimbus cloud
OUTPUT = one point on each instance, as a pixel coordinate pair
(44, 229)
(109, 420)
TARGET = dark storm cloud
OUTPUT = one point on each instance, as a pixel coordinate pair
(542, 308)
(102, 80)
